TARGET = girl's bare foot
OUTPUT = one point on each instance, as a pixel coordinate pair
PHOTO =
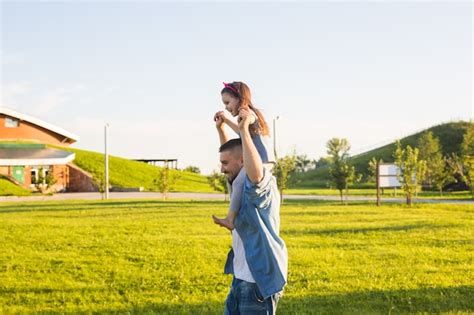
(223, 222)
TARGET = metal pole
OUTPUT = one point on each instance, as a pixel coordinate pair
(377, 181)
(106, 171)
(274, 136)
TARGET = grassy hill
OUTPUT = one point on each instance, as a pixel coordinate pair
(7, 188)
(128, 173)
(450, 136)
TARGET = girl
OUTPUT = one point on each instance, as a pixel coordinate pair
(235, 96)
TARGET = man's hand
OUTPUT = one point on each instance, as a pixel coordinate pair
(246, 118)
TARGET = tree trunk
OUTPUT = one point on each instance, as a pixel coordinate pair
(340, 193)
(409, 200)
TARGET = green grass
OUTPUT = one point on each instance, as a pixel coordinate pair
(388, 193)
(7, 188)
(166, 257)
(128, 173)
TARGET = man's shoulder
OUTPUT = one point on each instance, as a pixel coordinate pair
(264, 187)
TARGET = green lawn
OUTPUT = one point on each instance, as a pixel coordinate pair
(166, 257)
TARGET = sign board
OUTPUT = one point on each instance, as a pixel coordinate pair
(388, 176)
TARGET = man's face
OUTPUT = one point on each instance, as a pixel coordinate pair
(231, 163)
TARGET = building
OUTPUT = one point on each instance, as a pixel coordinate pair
(31, 149)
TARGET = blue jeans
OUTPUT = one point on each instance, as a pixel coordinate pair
(245, 298)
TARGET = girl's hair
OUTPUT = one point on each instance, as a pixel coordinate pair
(241, 91)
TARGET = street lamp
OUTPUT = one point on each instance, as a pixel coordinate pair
(106, 171)
(274, 136)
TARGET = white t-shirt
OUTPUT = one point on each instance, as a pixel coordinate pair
(241, 268)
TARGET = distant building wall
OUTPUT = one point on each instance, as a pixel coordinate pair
(29, 132)
(61, 175)
(80, 181)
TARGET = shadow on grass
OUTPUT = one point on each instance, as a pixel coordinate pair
(362, 230)
(313, 213)
(103, 205)
(423, 300)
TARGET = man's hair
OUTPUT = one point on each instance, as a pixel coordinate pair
(231, 145)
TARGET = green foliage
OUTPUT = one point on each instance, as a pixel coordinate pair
(218, 181)
(192, 169)
(323, 161)
(430, 151)
(128, 173)
(342, 174)
(467, 151)
(43, 183)
(167, 257)
(450, 136)
(373, 170)
(283, 169)
(412, 170)
(302, 163)
(165, 180)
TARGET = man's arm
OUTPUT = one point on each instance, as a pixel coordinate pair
(252, 162)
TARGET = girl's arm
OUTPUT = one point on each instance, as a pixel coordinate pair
(235, 126)
(232, 125)
(223, 137)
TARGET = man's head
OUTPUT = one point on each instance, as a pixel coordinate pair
(231, 158)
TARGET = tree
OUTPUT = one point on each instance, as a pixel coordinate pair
(373, 169)
(467, 155)
(218, 182)
(456, 167)
(341, 173)
(303, 163)
(165, 180)
(282, 171)
(412, 170)
(442, 175)
(323, 161)
(192, 169)
(430, 151)
(43, 181)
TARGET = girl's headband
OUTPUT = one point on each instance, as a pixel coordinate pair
(226, 85)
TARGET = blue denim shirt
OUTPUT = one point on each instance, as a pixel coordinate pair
(258, 225)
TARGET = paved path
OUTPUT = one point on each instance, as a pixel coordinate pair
(206, 196)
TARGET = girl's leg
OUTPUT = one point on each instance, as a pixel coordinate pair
(235, 202)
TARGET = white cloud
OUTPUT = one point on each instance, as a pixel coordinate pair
(52, 99)
(26, 97)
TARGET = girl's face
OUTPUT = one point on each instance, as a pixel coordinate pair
(231, 103)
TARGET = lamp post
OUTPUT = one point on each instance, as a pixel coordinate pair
(106, 162)
(274, 136)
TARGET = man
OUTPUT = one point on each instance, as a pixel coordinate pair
(258, 258)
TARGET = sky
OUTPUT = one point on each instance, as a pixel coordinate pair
(371, 71)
